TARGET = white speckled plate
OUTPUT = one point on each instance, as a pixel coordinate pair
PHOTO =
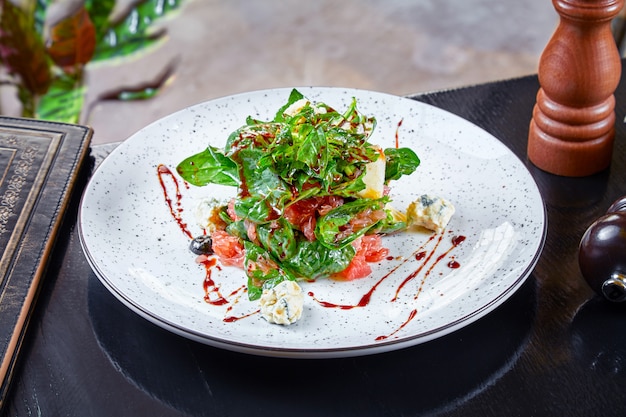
(428, 286)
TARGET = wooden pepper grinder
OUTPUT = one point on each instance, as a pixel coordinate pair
(573, 125)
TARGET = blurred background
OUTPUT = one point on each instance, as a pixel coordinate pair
(223, 47)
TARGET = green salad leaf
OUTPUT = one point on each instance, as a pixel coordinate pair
(389, 224)
(209, 166)
(344, 224)
(294, 96)
(314, 260)
(262, 270)
(278, 238)
(399, 162)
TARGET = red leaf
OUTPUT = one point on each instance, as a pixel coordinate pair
(73, 40)
(21, 49)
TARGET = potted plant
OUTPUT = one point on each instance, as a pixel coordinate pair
(44, 60)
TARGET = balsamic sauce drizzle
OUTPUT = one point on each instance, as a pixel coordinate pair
(213, 295)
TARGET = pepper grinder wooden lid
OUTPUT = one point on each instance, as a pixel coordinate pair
(573, 125)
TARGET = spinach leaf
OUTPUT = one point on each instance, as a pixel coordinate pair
(258, 176)
(334, 230)
(313, 150)
(400, 161)
(391, 223)
(237, 229)
(210, 166)
(278, 239)
(262, 270)
(313, 260)
(257, 209)
(263, 193)
(294, 96)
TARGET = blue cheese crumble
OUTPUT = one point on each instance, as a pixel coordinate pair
(206, 214)
(431, 212)
(282, 304)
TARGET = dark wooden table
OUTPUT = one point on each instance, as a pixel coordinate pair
(553, 349)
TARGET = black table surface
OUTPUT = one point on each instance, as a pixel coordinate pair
(552, 349)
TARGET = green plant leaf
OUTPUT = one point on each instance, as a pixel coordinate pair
(73, 41)
(100, 11)
(63, 101)
(136, 31)
(22, 51)
(39, 9)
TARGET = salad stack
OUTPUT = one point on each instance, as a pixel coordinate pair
(312, 194)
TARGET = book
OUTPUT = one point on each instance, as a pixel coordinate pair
(39, 165)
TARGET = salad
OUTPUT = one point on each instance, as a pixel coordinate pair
(312, 194)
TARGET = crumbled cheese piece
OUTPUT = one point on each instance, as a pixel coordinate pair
(374, 177)
(296, 106)
(430, 212)
(207, 214)
(282, 304)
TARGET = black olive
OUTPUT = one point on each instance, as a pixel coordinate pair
(202, 245)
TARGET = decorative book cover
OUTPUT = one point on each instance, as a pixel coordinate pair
(39, 162)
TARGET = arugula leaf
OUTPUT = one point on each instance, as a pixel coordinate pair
(210, 166)
(262, 270)
(316, 147)
(400, 161)
(258, 176)
(352, 183)
(255, 135)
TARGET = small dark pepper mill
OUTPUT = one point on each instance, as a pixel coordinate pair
(602, 253)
